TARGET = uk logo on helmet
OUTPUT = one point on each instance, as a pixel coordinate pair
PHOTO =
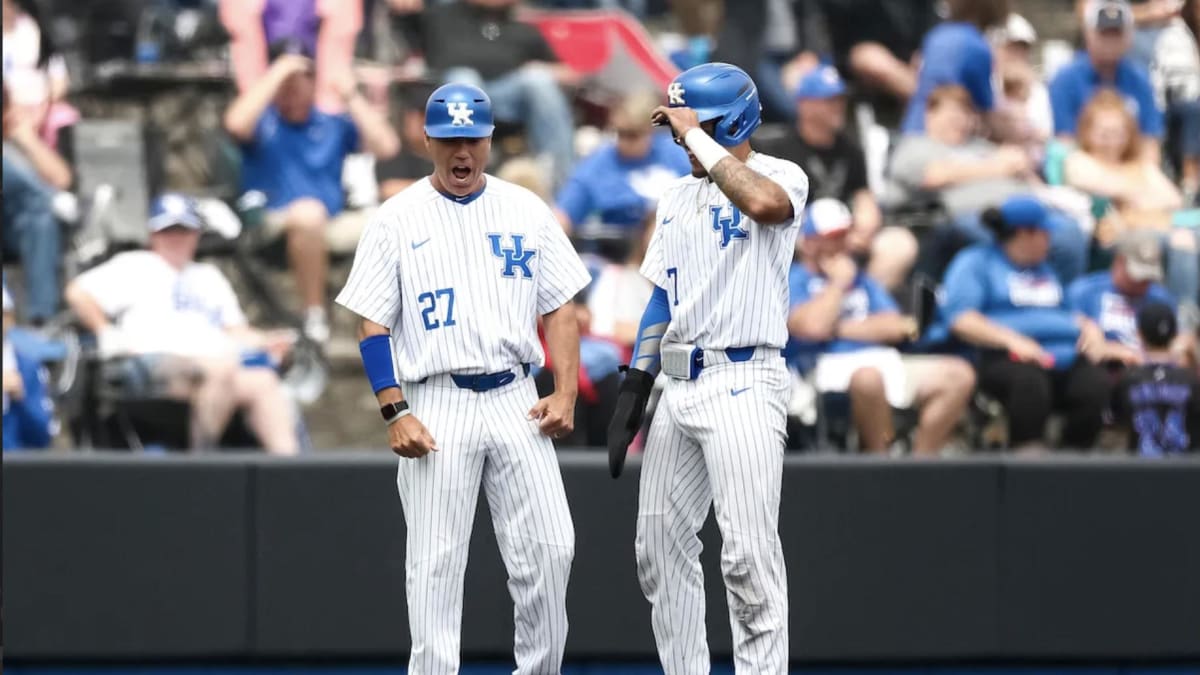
(460, 112)
(675, 93)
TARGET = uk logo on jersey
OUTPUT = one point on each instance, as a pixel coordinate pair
(460, 113)
(515, 257)
(728, 225)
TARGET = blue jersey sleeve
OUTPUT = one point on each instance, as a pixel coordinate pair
(964, 285)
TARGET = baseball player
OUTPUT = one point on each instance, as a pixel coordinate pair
(716, 325)
(449, 278)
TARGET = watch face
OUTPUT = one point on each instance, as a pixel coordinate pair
(390, 410)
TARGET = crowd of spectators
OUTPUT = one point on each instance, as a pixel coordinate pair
(1022, 250)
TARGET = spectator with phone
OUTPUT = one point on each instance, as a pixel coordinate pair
(1035, 355)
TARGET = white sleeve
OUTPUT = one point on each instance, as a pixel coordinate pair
(561, 274)
(373, 289)
(654, 266)
(112, 285)
(794, 182)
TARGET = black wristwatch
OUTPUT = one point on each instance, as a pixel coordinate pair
(394, 411)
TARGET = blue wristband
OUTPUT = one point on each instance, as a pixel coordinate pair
(376, 353)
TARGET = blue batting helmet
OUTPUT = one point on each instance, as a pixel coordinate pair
(719, 91)
(458, 111)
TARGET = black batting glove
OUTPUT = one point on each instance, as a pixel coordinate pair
(627, 418)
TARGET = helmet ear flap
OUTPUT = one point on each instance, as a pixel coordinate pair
(738, 124)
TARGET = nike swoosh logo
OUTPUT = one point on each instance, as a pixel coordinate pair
(667, 220)
(735, 392)
(418, 244)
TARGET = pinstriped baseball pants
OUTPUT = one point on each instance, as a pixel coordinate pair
(716, 440)
(484, 437)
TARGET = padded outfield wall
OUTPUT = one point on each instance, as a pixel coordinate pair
(253, 559)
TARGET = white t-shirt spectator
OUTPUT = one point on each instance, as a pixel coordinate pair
(620, 294)
(161, 310)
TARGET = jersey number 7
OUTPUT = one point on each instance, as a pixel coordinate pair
(442, 298)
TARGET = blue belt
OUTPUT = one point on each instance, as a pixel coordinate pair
(735, 355)
(487, 381)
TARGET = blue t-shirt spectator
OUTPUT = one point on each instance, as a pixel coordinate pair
(1077, 82)
(952, 53)
(621, 191)
(1096, 297)
(291, 161)
(1026, 300)
(865, 298)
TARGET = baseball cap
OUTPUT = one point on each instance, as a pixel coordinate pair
(1024, 211)
(825, 217)
(821, 82)
(1101, 15)
(172, 209)
(1018, 29)
(1156, 324)
(1142, 251)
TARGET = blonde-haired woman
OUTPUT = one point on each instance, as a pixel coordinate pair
(1108, 165)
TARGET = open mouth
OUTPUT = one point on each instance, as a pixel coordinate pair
(461, 172)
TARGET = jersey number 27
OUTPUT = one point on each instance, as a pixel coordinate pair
(433, 304)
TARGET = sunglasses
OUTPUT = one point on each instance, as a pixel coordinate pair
(631, 134)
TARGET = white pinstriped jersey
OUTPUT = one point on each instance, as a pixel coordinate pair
(726, 276)
(460, 283)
